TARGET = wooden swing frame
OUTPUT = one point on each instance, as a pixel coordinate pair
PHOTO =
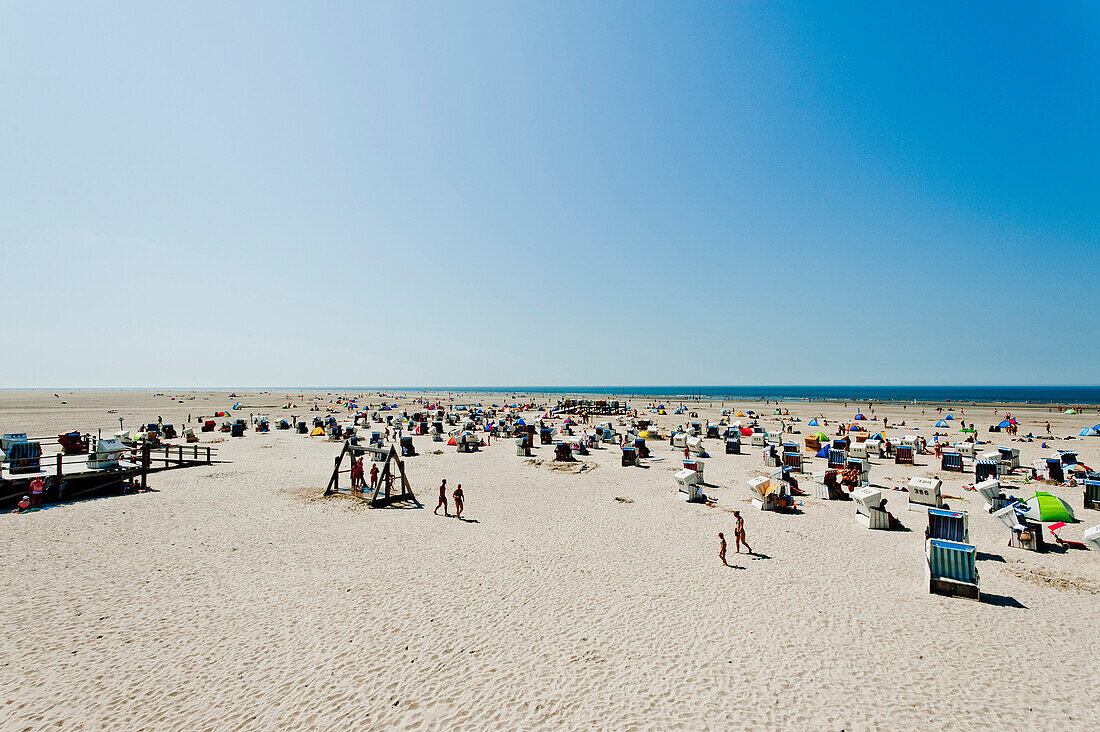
(381, 495)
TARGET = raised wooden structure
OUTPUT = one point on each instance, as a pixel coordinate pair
(393, 466)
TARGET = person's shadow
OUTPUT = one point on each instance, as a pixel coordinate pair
(469, 521)
(758, 555)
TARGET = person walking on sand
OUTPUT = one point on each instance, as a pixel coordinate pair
(442, 499)
(373, 476)
(458, 502)
(739, 533)
(722, 549)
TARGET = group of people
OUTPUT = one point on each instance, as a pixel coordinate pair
(358, 477)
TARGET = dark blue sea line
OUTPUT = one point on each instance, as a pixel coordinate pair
(1006, 394)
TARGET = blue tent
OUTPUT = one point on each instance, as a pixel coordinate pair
(813, 422)
(1090, 432)
(950, 416)
(942, 423)
(823, 452)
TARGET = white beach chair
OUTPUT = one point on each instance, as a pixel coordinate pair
(924, 493)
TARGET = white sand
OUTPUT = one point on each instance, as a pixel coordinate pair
(236, 597)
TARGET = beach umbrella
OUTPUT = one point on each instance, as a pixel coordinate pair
(1045, 507)
(813, 422)
(942, 423)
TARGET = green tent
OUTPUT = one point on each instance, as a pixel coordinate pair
(821, 436)
(1045, 507)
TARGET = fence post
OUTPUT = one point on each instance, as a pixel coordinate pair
(145, 457)
(58, 465)
(208, 456)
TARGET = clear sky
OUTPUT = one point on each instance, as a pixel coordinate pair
(576, 193)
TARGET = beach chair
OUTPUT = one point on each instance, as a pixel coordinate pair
(640, 446)
(827, 485)
(733, 447)
(864, 466)
(985, 470)
(949, 525)
(1054, 470)
(966, 449)
(712, 431)
(758, 439)
(1023, 533)
(210, 425)
(1092, 494)
(546, 436)
(10, 438)
(73, 443)
(1092, 537)
(869, 509)
(873, 447)
(990, 490)
(952, 569)
(841, 443)
(523, 447)
(858, 450)
(924, 493)
(952, 461)
(1010, 456)
(695, 446)
(407, 448)
(903, 455)
(630, 457)
(768, 496)
(24, 457)
(563, 453)
(813, 444)
(106, 455)
(189, 435)
(837, 458)
(678, 440)
(793, 460)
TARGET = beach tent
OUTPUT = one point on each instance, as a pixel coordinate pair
(1010, 422)
(1089, 432)
(949, 416)
(317, 432)
(746, 432)
(860, 416)
(1071, 411)
(855, 428)
(812, 422)
(821, 436)
(1045, 507)
(823, 452)
(942, 423)
(237, 405)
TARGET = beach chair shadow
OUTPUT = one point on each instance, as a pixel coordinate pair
(1002, 601)
(986, 557)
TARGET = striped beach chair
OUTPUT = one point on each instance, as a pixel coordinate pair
(984, 470)
(952, 569)
(951, 461)
(1092, 494)
(1067, 457)
(837, 458)
(903, 455)
(793, 460)
(948, 525)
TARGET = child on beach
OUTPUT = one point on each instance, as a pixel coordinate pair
(722, 549)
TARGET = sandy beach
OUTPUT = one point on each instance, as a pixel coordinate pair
(584, 596)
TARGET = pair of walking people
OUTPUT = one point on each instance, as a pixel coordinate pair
(456, 495)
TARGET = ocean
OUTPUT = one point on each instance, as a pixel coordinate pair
(1004, 394)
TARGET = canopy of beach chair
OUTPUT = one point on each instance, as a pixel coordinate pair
(1046, 508)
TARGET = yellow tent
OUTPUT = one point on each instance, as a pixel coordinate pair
(739, 414)
(317, 432)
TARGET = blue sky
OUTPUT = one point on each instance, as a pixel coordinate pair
(222, 194)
